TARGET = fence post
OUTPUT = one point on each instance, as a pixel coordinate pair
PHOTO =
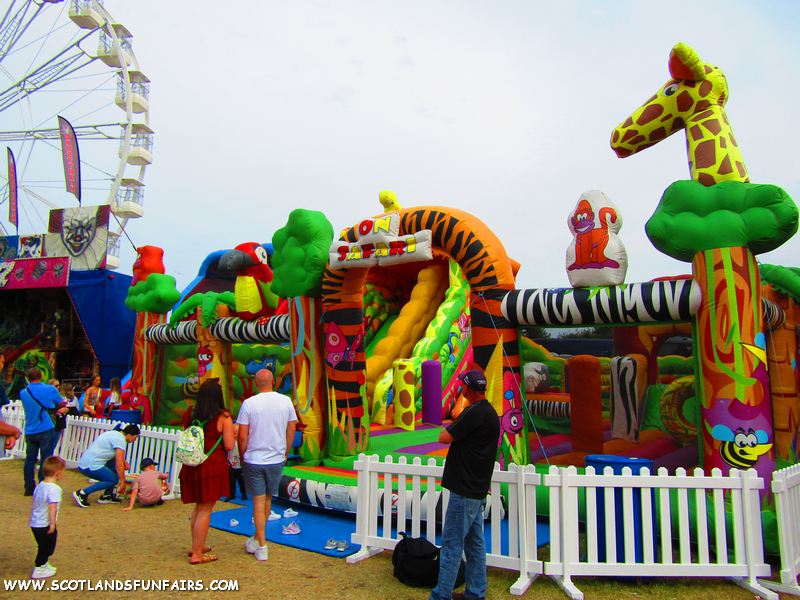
(753, 542)
(526, 509)
(788, 530)
(363, 508)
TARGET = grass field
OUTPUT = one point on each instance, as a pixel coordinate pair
(103, 543)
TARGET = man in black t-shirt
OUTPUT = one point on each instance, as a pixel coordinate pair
(467, 474)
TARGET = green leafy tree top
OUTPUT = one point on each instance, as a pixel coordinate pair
(300, 254)
(692, 218)
(156, 294)
(782, 279)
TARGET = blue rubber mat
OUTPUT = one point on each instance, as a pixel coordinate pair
(317, 526)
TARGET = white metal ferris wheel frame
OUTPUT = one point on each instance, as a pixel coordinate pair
(7, 41)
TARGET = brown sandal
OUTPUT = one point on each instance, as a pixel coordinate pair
(207, 558)
(205, 549)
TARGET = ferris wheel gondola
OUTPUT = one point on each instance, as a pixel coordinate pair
(49, 52)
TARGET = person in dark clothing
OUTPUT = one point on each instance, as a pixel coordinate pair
(467, 474)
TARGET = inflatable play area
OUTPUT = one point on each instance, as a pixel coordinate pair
(368, 329)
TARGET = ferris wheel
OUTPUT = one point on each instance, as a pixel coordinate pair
(71, 58)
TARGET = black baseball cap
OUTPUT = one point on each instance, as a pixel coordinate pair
(474, 379)
(146, 462)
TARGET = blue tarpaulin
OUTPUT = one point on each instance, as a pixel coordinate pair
(99, 299)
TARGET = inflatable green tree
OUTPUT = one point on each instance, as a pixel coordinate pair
(300, 255)
(720, 229)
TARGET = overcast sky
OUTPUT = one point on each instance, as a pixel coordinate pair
(502, 109)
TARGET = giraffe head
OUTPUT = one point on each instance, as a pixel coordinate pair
(693, 99)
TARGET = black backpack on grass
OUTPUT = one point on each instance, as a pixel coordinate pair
(416, 563)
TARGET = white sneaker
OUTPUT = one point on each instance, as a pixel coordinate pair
(273, 516)
(291, 529)
(251, 545)
(44, 571)
(289, 513)
(262, 552)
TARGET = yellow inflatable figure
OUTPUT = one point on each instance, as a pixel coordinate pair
(389, 201)
(693, 100)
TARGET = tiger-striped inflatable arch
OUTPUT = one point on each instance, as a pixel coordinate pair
(490, 273)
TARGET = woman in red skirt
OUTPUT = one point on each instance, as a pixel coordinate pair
(204, 484)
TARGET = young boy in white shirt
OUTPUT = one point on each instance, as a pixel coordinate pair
(46, 501)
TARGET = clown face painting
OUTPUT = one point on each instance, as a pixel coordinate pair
(81, 234)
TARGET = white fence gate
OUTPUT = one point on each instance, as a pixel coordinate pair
(663, 503)
(786, 487)
(156, 442)
(663, 506)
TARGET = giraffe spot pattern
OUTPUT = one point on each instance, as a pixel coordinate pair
(404, 398)
(725, 166)
(713, 125)
(650, 113)
(705, 88)
(684, 101)
(629, 134)
(705, 155)
(408, 419)
(658, 134)
(706, 179)
(408, 377)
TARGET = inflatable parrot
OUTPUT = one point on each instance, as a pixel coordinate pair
(254, 298)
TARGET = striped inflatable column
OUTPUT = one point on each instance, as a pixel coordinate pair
(345, 363)
(495, 347)
(624, 399)
(308, 360)
(404, 383)
(214, 355)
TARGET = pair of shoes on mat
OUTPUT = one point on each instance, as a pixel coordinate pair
(273, 516)
(289, 513)
(338, 545)
(291, 529)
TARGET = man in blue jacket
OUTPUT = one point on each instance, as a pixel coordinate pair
(40, 432)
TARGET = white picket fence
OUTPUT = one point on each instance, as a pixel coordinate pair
(569, 554)
(743, 508)
(786, 488)
(156, 442)
(521, 554)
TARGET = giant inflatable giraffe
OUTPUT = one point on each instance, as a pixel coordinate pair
(715, 222)
(694, 100)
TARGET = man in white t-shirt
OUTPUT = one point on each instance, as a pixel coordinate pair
(267, 423)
